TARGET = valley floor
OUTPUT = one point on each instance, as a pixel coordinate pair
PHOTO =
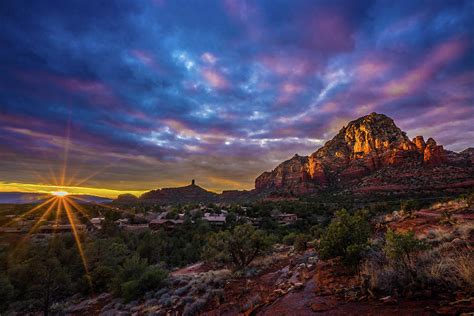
(290, 283)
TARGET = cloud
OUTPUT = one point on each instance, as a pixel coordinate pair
(156, 91)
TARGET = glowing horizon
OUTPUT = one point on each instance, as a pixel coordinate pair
(71, 190)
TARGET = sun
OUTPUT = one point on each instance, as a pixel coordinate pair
(60, 193)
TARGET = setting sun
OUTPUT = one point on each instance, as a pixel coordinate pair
(60, 193)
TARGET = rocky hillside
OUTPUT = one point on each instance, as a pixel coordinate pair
(187, 194)
(372, 153)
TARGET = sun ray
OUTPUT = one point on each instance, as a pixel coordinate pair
(77, 207)
(72, 221)
(72, 178)
(95, 203)
(36, 208)
(35, 226)
(43, 216)
(66, 153)
(52, 175)
(38, 222)
(58, 215)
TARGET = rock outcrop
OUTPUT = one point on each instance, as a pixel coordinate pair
(188, 194)
(370, 144)
(468, 154)
(125, 199)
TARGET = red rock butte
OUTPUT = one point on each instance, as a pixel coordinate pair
(372, 154)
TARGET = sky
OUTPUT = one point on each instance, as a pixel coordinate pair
(127, 96)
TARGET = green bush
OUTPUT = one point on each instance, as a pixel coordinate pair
(152, 278)
(399, 247)
(136, 278)
(346, 236)
(101, 278)
(238, 247)
(316, 231)
(130, 290)
(289, 239)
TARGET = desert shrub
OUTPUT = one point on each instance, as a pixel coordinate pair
(464, 267)
(441, 269)
(406, 265)
(101, 278)
(165, 300)
(346, 236)
(129, 290)
(240, 246)
(152, 278)
(135, 278)
(182, 290)
(289, 239)
(316, 231)
(194, 308)
(400, 247)
(300, 242)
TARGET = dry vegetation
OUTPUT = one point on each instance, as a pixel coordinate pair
(447, 268)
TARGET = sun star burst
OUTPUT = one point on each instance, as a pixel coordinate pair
(60, 193)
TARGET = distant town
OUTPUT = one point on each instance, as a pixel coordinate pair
(167, 217)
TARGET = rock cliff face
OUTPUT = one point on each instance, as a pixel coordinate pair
(369, 144)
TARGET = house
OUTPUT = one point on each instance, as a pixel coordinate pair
(121, 222)
(135, 228)
(286, 218)
(214, 219)
(97, 222)
(168, 224)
